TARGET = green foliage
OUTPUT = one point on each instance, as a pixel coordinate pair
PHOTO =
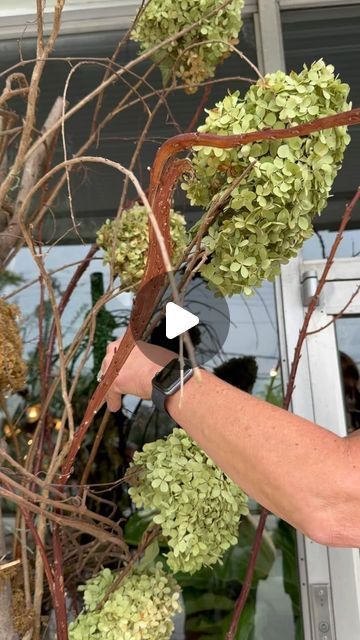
(217, 630)
(141, 608)
(285, 540)
(198, 506)
(9, 278)
(125, 243)
(210, 594)
(273, 392)
(269, 214)
(191, 57)
(105, 322)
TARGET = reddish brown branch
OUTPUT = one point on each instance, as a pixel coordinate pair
(50, 348)
(294, 367)
(99, 436)
(59, 593)
(63, 303)
(142, 307)
(48, 570)
(202, 104)
(147, 539)
(241, 601)
(56, 594)
(337, 316)
(184, 141)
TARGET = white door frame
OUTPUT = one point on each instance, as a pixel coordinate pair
(329, 578)
(318, 396)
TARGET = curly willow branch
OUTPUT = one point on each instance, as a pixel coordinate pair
(158, 208)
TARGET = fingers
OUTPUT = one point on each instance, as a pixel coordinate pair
(113, 397)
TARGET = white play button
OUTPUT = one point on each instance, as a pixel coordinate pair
(178, 320)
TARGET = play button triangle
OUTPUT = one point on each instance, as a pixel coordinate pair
(178, 320)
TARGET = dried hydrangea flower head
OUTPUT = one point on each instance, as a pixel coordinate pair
(12, 366)
(125, 243)
(269, 215)
(198, 506)
(192, 58)
(141, 608)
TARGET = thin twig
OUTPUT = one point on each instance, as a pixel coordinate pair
(99, 436)
(336, 316)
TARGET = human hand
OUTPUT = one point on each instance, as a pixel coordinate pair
(143, 363)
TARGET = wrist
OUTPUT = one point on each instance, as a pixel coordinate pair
(184, 398)
(152, 369)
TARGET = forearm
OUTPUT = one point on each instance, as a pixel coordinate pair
(286, 463)
(299, 471)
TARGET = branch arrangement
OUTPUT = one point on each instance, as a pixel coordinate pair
(61, 514)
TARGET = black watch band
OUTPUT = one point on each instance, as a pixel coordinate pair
(168, 381)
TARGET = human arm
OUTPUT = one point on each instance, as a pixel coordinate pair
(301, 472)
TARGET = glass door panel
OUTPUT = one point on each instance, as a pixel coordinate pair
(322, 384)
(348, 341)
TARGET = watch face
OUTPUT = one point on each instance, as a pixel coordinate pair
(170, 375)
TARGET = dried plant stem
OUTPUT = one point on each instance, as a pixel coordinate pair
(337, 316)
(57, 320)
(99, 436)
(7, 631)
(25, 563)
(148, 538)
(123, 105)
(32, 167)
(245, 589)
(57, 504)
(50, 347)
(107, 73)
(98, 90)
(97, 532)
(29, 119)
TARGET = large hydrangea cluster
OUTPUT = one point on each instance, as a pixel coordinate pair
(125, 243)
(198, 506)
(269, 215)
(191, 57)
(141, 608)
(12, 366)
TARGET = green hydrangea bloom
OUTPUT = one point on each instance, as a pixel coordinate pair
(125, 243)
(269, 215)
(193, 64)
(198, 506)
(142, 608)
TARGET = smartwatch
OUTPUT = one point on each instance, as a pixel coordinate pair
(168, 381)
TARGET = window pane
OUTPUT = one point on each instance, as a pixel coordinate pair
(96, 189)
(347, 333)
(331, 33)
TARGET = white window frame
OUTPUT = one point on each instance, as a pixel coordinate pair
(99, 15)
(318, 396)
(311, 4)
